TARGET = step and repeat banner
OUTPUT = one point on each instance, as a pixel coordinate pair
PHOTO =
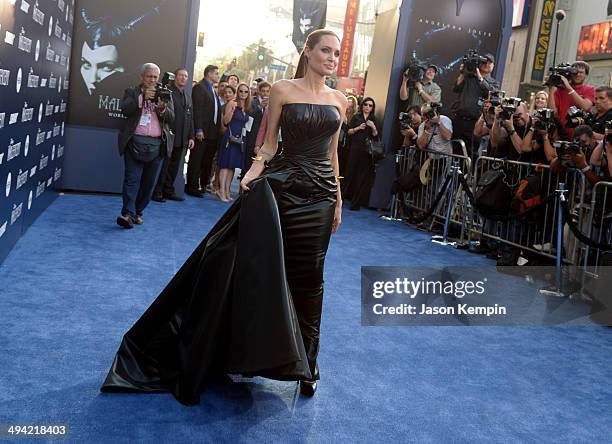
(35, 42)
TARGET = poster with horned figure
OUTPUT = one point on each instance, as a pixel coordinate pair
(112, 39)
(308, 15)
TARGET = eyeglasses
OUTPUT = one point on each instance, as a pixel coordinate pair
(367, 104)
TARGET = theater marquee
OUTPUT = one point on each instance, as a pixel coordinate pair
(594, 43)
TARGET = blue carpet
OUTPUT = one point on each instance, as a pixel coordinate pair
(76, 282)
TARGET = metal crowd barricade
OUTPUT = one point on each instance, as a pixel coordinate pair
(433, 167)
(536, 238)
(599, 227)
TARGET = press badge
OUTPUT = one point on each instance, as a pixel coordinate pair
(145, 119)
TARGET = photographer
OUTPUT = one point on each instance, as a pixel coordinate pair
(510, 127)
(483, 126)
(436, 131)
(572, 92)
(409, 125)
(423, 91)
(544, 132)
(602, 112)
(144, 141)
(585, 154)
(474, 82)
(184, 139)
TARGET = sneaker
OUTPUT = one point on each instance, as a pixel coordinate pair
(125, 222)
(158, 198)
(138, 220)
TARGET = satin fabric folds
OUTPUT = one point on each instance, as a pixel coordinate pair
(248, 299)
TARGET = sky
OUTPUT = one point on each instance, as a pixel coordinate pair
(228, 30)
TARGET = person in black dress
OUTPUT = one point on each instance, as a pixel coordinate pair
(360, 176)
(248, 300)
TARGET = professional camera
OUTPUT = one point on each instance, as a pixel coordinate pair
(414, 72)
(509, 105)
(564, 147)
(405, 121)
(545, 119)
(431, 110)
(471, 61)
(495, 98)
(162, 92)
(577, 117)
(564, 69)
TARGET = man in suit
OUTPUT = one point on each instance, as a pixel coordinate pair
(206, 120)
(183, 139)
(146, 138)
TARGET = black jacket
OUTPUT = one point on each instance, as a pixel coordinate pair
(204, 111)
(131, 110)
(257, 116)
(183, 117)
(470, 91)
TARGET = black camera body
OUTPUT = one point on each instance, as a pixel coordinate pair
(162, 92)
(577, 117)
(405, 121)
(564, 147)
(431, 110)
(509, 105)
(608, 126)
(545, 119)
(471, 61)
(564, 69)
(414, 72)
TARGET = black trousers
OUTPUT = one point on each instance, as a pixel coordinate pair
(464, 129)
(200, 164)
(169, 171)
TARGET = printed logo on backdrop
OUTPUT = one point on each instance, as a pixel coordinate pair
(7, 188)
(109, 50)
(37, 51)
(9, 38)
(25, 43)
(30, 197)
(37, 15)
(18, 82)
(5, 76)
(16, 213)
(26, 146)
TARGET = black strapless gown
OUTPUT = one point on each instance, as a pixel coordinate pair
(248, 300)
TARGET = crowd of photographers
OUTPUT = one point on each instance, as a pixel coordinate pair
(567, 125)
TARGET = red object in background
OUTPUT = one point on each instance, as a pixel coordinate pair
(351, 85)
(594, 43)
(346, 48)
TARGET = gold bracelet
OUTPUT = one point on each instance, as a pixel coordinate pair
(338, 178)
(257, 158)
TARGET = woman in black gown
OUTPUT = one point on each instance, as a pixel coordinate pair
(360, 175)
(248, 300)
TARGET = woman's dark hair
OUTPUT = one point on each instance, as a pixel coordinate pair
(311, 41)
(368, 99)
(233, 88)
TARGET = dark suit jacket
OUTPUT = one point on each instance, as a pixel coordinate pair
(204, 111)
(183, 118)
(257, 115)
(131, 110)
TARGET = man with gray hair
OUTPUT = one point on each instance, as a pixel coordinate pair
(146, 138)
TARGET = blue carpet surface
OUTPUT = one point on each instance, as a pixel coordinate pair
(76, 282)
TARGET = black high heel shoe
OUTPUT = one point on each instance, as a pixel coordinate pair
(308, 388)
